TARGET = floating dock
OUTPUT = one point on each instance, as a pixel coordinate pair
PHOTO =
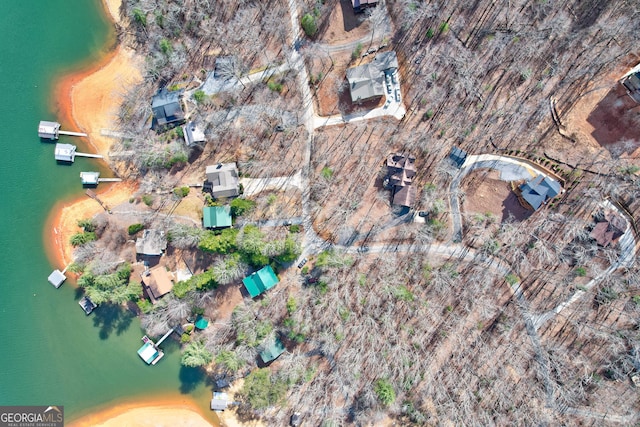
(51, 130)
(87, 305)
(67, 153)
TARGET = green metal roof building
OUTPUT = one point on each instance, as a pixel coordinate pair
(216, 216)
(260, 281)
(275, 349)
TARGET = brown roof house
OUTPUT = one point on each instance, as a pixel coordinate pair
(151, 243)
(222, 180)
(608, 231)
(400, 172)
(157, 282)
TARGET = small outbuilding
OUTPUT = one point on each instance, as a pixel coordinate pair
(219, 401)
(272, 351)
(222, 180)
(65, 153)
(216, 216)
(57, 278)
(457, 156)
(260, 281)
(167, 108)
(157, 282)
(537, 191)
(151, 243)
(48, 130)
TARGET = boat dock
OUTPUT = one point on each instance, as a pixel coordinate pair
(67, 153)
(151, 352)
(51, 130)
(92, 179)
(57, 278)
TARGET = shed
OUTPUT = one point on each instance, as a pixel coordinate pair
(65, 153)
(90, 179)
(87, 305)
(201, 323)
(272, 351)
(56, 278)
(216, 216)
(540, 189)
(152, 242)
(222, 180)
(457, 156)
(219, 401)
(157, 282)
(48, 130)
(166, 107)
(260, 281)
(193, 135)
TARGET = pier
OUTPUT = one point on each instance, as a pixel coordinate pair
(67, 153)
(151, 352)
(51, 130)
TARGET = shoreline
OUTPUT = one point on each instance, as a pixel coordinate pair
(86, 100)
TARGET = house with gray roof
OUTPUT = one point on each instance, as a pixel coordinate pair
(537, 191)
(151, 243)
(367, 81)
(193, 135)
(222, 180)
(631, 82)
(167, 108)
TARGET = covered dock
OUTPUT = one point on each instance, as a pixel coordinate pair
(92, 179)
(67, 153)
(51, 130)
(57, 278)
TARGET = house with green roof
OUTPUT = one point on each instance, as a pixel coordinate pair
(216, 216)
(272, 351)
(260, 281)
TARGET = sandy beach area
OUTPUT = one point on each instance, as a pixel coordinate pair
(89, 101)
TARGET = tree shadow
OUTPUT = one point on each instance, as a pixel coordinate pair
(191, 378)
(615, 120)
(349, 19)
(112, 318)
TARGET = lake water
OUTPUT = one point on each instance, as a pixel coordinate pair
(51, 353)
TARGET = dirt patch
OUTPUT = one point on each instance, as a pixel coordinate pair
(344, 25)
(485, 193)
(331, 86)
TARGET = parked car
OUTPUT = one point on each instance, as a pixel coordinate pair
(423, 214)
(393, 78)
(389, 88)
(397, 95)
(419, 58)
(279, 128)
(302, 263)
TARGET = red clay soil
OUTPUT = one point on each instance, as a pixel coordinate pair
(344, 25)
(485, 193)
(616, 121)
